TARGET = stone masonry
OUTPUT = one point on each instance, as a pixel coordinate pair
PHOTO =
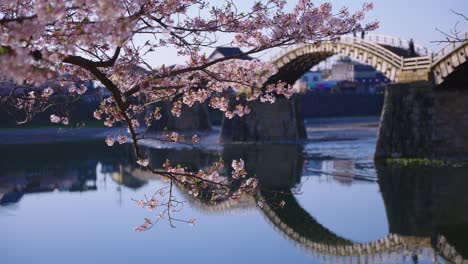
(422, 121)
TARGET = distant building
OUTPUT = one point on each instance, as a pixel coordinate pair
(364, 78)
(343, 70)
(312, 77)
(308, 81)
(223, 52)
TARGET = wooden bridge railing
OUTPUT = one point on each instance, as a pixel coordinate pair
(373, 48)
(416, 63)
(447, 49)
(397, 42)
(373, 44)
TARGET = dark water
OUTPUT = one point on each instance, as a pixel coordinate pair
(72, 203)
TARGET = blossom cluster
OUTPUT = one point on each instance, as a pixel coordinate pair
(100, 41)
(83, 40)
(58, 119)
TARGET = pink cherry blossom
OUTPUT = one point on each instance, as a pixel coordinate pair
(47, 92)
(238, 167)
(55, 119)
(65, 120)
(80, 41)
(110, 141)
(121, 139)
(98, 114)
(143, 162)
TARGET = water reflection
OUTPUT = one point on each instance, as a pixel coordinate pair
(275, 166)
(428, 202)
(425, 206)
(27, 169)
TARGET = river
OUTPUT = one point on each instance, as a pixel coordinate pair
(73, 202)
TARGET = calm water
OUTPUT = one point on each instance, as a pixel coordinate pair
(72, 203)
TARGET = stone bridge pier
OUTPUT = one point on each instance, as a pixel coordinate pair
(425, 112)
(421, 120)
(281, 121)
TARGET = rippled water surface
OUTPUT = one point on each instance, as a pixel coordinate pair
(71, 202)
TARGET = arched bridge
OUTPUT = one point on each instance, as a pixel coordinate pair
(389, 55)
(424, 115)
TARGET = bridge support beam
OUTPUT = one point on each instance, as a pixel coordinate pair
(278, 122)
(422, 121)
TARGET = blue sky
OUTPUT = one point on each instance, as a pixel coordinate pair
(417, 19)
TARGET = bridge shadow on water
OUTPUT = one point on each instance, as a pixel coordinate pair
(426, 206)
(427, 201)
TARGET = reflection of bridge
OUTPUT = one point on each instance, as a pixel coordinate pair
(306, 232)
(417, 231)
(296, 224)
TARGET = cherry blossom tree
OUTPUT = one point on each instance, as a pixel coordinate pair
(100, 40)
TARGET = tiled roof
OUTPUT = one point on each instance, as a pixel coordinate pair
(229, 52)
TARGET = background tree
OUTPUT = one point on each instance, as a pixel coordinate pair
(454, 35)
(99, 40)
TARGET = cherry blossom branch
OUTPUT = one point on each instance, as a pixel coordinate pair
(73, 39)
(17, 19)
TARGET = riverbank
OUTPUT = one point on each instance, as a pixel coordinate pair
(53, 134)
(317, 129)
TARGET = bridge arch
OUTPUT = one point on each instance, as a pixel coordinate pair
(451, 60)
(297, 60)
(387, 54)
